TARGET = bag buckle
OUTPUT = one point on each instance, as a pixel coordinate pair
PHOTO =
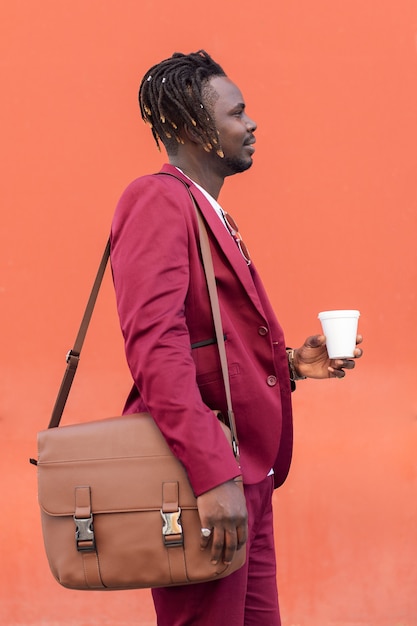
(172, 529)
(84, 534)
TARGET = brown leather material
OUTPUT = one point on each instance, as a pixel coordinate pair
(91, 569)
(121, 472)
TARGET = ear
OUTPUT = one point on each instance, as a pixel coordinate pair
(190, 134)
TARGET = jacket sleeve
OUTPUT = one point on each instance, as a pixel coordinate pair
(150, 247)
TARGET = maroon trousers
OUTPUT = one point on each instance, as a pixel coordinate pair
(247, 597)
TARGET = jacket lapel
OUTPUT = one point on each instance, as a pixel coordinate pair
(223, 237)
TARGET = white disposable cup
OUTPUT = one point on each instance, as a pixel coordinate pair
(340, 329)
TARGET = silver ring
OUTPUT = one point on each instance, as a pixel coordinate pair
(206, 532)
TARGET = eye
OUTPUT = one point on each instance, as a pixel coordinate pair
(238, 110)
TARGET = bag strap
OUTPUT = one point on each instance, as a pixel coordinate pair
(215, 307)
(73, 356)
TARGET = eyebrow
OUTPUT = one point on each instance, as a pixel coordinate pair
(238, 105)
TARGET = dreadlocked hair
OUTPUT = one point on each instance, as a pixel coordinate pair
(170, 97)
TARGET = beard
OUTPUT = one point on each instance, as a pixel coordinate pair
(235, 165)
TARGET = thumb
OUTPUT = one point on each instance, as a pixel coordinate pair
(315, 341)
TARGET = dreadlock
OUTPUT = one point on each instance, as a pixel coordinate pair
(170, 97)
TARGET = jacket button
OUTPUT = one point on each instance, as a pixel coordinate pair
(262, 330)
(271, 381)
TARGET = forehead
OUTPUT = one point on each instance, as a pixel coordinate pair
(222, 94)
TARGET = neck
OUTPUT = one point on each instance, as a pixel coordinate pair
(200, 170)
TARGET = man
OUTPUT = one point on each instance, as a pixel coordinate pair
(199, 115)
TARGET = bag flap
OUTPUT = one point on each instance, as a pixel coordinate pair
(124, 460)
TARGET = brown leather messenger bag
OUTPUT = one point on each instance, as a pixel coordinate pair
(117, 509)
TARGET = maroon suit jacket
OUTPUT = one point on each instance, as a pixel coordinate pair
(164, 312)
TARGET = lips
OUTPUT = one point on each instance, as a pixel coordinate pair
(250, 141)
(249, 144)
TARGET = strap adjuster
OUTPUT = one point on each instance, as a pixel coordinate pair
(71, 353)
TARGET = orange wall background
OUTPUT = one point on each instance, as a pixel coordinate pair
(329, 213)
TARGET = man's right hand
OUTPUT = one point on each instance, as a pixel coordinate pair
(223, 511)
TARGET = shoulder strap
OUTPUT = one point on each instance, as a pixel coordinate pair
(215, 307)
(73, 356)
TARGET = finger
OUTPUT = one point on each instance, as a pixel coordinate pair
(218, 545)
(315, 341)
(230, 546)
(336, 373)
(347, 364)
(359, 339)
(242, 536)
(205, 537)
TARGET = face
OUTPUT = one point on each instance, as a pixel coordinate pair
(236, 130)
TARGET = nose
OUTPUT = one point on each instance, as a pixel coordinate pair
(251, 125)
